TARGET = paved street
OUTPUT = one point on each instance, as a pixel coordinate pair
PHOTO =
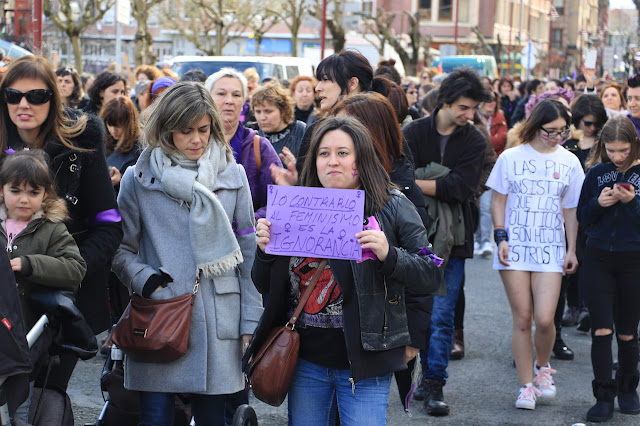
(482, 387)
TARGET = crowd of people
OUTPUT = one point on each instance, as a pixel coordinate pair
(111, 187)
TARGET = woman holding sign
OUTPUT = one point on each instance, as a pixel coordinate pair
(187, 214)
(536, 189)
(608, 210)
(355, 333)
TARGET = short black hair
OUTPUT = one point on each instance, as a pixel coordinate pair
(589, 104)
(341, 67)
(195, 74)
(580, 78)
(634, 81)
(532, 85)
(462, 82)
(104, 80)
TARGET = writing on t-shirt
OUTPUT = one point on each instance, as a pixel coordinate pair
(535, 221)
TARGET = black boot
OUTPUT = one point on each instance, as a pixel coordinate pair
(561, 350)
(627, 395)
(605, 393)
(434, 399)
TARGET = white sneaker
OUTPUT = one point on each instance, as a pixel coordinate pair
(486, 249)
(544, 382)
(476, 248)
(527, 398)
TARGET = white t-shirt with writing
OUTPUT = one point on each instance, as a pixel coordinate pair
(538, 186)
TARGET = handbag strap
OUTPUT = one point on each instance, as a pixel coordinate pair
(307, 292)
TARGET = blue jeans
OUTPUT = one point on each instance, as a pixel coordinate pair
(485, 223)
(156, 409)
(314, 389)
(440, 336)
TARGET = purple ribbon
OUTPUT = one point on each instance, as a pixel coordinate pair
(234, 226)
(427, 253)
(107, 216)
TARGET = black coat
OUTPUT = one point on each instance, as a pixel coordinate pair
(464, 155)
(82, 179)
(393, 296)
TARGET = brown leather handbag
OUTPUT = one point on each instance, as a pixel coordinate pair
(155, 330)
(272, 368)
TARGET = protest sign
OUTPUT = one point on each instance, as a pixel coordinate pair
(315, 222)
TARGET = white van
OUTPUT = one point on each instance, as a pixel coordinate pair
(281, 68)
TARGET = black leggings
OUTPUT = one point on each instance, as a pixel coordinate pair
(612, 290)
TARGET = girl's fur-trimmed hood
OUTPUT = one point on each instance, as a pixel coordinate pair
(54, 209)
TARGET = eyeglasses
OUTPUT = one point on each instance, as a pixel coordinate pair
(551, 135)
(34, 97)
(588, 123)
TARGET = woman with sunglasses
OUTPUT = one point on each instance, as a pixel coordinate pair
(32, 116)
(536, 190)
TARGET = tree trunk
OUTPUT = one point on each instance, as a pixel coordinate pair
(257, 39)
(337, 35)
(77, 51)
(294, 42)
(143, 51)
(219, 39)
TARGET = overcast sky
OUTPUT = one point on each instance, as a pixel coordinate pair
(621, 4)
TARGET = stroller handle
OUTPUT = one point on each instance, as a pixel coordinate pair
(37, 330)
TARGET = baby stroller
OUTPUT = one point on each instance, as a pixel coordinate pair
(60, 329)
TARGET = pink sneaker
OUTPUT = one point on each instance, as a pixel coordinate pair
(527, 398)
(544, 382)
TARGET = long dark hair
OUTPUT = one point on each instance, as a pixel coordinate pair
(373, 178)
(121, 112)
(618, 128)
(543, 113)
(376, 113)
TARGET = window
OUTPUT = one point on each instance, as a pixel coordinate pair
(556, 39)
(425, 10)
(446, 11)
(559, 5)
(367, 8)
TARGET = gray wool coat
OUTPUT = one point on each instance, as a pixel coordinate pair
(156, 237)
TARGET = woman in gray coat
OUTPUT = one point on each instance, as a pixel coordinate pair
(187, 211)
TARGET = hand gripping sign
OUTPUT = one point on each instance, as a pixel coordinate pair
(315, 222)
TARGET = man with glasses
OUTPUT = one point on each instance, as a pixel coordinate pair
(633, 101)
(448, 138)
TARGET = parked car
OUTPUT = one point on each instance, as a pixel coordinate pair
(13, 50)
(276, 67)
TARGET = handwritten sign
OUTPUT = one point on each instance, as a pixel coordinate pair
(317, 222)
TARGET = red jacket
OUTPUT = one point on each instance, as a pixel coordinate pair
(498, 131)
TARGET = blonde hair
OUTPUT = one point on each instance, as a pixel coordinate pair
(274, 93)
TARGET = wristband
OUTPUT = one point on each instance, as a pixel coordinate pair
(500, 235)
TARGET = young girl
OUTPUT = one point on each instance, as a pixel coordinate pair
(536, 189)
(42, 251)
(120, 116)
(609, 211)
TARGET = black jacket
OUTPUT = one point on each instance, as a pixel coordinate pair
(379, 322)
(464, 155)
(82, 179)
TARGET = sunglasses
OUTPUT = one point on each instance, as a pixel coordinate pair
(551, 135)
(34, 97)
(588, 123)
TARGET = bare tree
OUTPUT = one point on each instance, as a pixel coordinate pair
(261, 22)
(292, 13)
(142, 51)
(379, 25)
(74, 17)
(199, 18)
(335, 22)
